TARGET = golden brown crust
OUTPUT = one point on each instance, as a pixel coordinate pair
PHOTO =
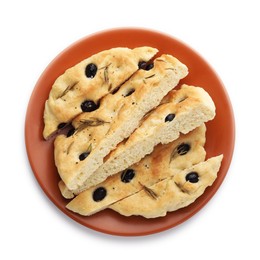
(135, 123)
(165, 161)
(114, 67)
(190, 107)
(99, 132)
(171, 193)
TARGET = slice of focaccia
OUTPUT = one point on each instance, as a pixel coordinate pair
(165, 161)
(183, 110)
(95, 134)
(146, 172)
(171, 193)
(81, 87)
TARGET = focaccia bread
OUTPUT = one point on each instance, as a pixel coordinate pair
(171, 193)
(180, 112)
(168, 157)
(81, 87)
(165, 161)
(95, 134)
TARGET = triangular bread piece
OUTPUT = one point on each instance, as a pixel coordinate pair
(171, 193)
(166, 160)
(183, 110)
(97, 133)
(81, 87)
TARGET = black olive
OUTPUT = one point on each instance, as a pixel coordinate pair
(61, 125)
(192, 177)
(131, 91)
(84, 155)
(91, 70)
(142, 65)
(71, 132)
(149, 66)
(127, 175)
(183, 148)
(169, 118)
(99, 194)
(88, 106)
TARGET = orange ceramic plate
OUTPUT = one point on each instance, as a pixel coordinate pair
(220, 131)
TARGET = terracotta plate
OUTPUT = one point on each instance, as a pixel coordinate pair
(220, 131)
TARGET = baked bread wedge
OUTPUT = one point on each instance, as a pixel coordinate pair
(177, 155)
(81, 87)
(172, 193)
(95, 134)
(180, 112)
(165, 161)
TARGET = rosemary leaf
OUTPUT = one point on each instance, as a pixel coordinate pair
(149, 191)
(173, 154)
(106, 66)
(89, 149)
(179, 187)
(92, 122)
(106, 74)
(70, 87)
(150, 76)
(182, 99)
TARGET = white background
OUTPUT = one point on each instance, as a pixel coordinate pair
(225, 33)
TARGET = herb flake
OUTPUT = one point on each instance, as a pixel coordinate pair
(70, 87)
(149, 191)
(150, 76)
(92, 122)
(105, 68)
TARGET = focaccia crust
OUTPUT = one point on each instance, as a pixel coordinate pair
(171, 193)
(180, 112)
(166, 160)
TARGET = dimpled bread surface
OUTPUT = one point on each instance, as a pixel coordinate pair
(171, 193)
(98, 132)
(180, 112)
(165, 161)
(90, 80)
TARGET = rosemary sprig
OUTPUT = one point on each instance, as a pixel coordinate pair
(70, 87)
(149, 191)
(106, 74)
(92, 122)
